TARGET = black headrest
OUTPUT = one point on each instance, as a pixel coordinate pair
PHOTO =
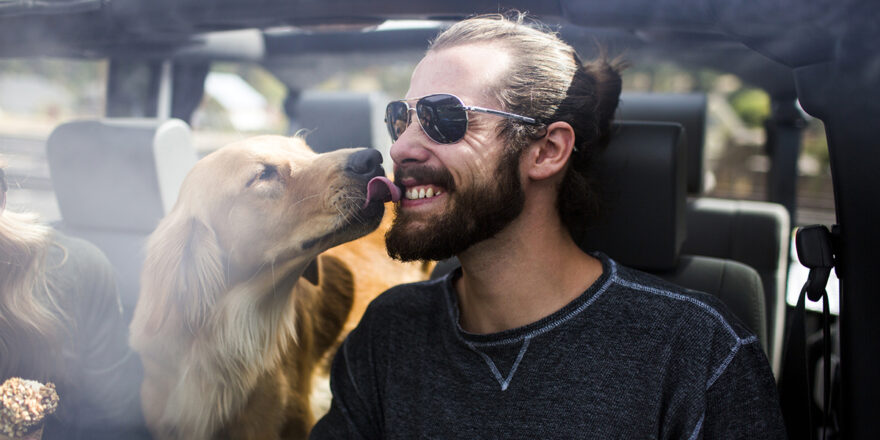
(319, 114)
(642, 179)
(362, 114)
(687, 109)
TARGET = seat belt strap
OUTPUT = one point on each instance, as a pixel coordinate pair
(815, 251)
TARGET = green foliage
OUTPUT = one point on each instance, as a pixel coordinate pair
(815, 143)
(752, 106)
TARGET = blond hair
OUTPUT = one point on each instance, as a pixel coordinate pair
(32, 323)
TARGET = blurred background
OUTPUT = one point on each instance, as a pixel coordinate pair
(243, 99)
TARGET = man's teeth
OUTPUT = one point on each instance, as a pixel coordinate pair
(421, 193)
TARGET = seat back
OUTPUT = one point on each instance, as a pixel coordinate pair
(753, 233)
(750, 232)
(333, 120)
(114, 180)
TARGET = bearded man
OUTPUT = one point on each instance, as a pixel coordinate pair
(531, 337)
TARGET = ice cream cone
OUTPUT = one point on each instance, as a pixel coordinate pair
(24, 404)
(34, 434)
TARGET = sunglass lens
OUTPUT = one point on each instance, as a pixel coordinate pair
(396, 119)
(442, 117)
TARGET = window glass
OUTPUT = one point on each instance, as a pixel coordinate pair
(35, 96)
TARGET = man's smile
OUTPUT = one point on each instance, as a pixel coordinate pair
(422, 185)
(422, 195)
(422, 192)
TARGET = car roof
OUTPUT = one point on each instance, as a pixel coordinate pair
(759, 41)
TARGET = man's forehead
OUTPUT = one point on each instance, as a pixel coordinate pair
(466, 71)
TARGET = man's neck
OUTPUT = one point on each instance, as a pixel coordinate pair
(527, 272)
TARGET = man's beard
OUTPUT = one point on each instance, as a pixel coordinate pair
(475, 214)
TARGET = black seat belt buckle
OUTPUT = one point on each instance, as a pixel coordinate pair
(815, 251)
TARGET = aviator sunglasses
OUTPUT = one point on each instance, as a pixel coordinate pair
(443, 117)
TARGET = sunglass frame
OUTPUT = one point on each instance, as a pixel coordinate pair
(466, 108)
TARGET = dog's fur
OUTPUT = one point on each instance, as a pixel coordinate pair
(374, 271)
(234, 315)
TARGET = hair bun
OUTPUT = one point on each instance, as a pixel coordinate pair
(608, 83)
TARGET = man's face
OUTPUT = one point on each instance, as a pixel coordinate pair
(457, 194)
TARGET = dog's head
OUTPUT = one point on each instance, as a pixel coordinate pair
(271, 198)
(260, 203)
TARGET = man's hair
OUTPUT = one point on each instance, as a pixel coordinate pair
(547, 81)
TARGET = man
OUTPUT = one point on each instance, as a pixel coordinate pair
(532, 337)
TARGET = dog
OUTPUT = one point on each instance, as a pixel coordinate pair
(374, 272)
(237, 307)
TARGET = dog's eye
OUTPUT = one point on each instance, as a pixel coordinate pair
(269, 172)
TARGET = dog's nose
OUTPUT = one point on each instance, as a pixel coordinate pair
(365, 163)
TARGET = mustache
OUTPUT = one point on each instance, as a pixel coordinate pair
(425, 174)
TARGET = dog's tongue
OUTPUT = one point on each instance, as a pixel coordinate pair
(382, 189)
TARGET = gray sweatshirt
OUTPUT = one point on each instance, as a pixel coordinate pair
(633, 357)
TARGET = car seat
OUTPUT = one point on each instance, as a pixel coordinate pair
(333, 120)
(114, 180)
(751, 232)
(687, 109)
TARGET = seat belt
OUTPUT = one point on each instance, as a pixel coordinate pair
(815, 249)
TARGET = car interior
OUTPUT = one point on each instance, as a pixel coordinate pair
(146, 161)
(115, 176)
(751, 232)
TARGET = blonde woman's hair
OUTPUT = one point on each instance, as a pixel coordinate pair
(32, 323)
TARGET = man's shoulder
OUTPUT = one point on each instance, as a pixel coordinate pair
(671, 301)
(401, 312)
(411, 299)
(696, 326)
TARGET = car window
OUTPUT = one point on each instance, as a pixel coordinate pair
(35, 96)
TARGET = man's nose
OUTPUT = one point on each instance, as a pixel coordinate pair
(409, 146)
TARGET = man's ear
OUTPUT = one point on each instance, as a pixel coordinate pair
(548, 156)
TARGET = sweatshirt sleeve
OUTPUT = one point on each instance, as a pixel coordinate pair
(108, 378)
(355, 411)
(742, 402)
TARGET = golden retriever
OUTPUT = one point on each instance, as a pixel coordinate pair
(236, 307)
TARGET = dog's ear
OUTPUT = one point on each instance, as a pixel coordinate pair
(312, 272)
(183, 272)
(332, 304)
